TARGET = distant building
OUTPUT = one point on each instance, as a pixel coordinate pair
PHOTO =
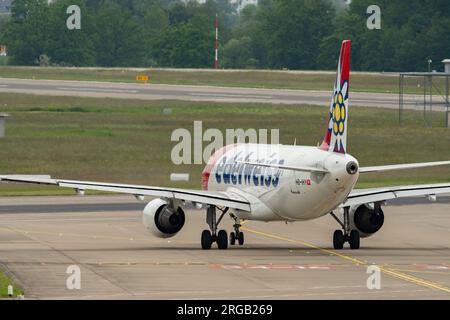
(3, 51)
(240, 3)
(446, 63)
(5, 6)
(341, 4)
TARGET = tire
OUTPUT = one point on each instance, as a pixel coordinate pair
(241, 238)
(354, 239)
(338, 240)
(222, 240)
(232, 238)
(206, 240)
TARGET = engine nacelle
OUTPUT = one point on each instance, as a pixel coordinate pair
(366, 219)
(162, 220)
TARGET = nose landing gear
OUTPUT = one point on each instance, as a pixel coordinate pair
(236, 235)
(340, 237)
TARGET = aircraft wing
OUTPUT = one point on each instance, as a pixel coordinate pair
(225, 199)
(361, 196)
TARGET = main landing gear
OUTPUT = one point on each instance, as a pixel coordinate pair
(220, 237)
(346, 235)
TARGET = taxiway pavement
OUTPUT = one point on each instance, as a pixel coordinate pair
(40, 237)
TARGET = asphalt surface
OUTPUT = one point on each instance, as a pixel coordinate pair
(118, 259)
(201, 93)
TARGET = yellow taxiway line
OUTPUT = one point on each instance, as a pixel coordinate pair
(389, 271)
(385, 270)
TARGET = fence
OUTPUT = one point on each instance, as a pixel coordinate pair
(428, 91)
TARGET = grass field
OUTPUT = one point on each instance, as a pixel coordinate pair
(362, 82)
(130, 141)
(4, 283)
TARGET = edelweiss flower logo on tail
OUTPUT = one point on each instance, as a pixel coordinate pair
(338, 118)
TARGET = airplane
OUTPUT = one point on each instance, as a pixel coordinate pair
(263, 182)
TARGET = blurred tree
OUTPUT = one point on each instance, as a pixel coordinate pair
(411, 33)
(294, 34)
(186, 44)
(70, 47)
(297, 27)
(285, 33)
(237, 53)
(119, 40)
(3, 20)
(25, 34)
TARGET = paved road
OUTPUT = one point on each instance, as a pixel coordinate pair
(199, 93)
(118, 259)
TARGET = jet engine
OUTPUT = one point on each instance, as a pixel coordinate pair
(366, 218)
(161, 219)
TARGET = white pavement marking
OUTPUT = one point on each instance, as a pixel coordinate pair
(231, 95)
(98, 90)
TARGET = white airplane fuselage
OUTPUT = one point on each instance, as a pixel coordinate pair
(281, 194)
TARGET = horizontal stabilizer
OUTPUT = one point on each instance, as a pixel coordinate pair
(403, 166)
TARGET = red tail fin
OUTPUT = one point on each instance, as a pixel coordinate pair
(336, 137)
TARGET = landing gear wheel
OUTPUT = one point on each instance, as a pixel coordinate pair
(206, 240)
(241, 238)
(354, 239)
(232, 238)
(338, 240)
(222, 239)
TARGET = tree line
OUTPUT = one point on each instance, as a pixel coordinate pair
(275, 34)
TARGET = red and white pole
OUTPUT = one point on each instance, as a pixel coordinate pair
(216, 44)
